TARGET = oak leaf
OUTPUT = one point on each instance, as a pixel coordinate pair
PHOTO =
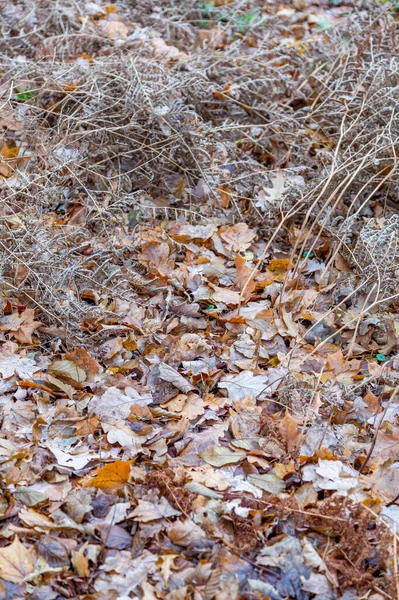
(239, 237)
(21, 326)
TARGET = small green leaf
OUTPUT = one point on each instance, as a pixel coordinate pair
(25, 95)
(381, 357)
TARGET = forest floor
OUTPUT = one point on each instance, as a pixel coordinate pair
(200, 292)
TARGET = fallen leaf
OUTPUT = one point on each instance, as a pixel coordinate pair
(112, 476)
(149, 511)
(16, 562)
(218, 456)
(16, 365)
(116, 30)
(167, 373)
(238, 237)
(267, 482)
(246, 384)
(67, 369)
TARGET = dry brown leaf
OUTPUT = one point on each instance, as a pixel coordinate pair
(68, 369)
(243, 274)
(218, 456)
(289, 430)
(116, 30)
(238, 237)
(82, 358)
(16, 562)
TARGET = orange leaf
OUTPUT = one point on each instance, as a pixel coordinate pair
(112, 476)
(8, 155)
(9, 150)
(279, 265)
(243, 274)
(289, 430)
(83, 359)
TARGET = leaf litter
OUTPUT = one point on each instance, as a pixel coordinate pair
(200, 328)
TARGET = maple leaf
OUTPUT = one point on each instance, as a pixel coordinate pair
(112, 476)
(16, 562)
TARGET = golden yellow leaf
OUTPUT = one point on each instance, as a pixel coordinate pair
(112, 476)
(279, 265)
(16, 562)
